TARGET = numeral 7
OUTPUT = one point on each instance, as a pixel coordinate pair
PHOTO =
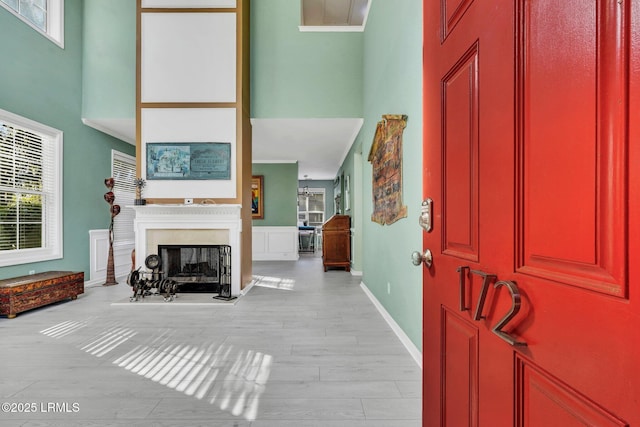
(487, 279)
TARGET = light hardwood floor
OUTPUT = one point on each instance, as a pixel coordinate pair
(302, 348)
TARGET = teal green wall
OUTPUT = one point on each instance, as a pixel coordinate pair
(295, 74)
(109, 59)
(298, 74)
(280, 194)
(393, 85)
(43, 82)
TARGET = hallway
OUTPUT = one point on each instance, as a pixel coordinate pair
(302, 348)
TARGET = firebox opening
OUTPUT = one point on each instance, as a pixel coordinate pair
(197, 268)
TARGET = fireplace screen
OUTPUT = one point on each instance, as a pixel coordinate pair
(197, 264)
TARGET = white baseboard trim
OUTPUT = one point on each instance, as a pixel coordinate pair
(93, 284)
(247, 288)
(99, 282)
(356, 273)
(404, 339)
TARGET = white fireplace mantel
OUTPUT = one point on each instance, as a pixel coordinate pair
(190, 217)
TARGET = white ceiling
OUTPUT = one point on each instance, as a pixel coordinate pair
(334, 13)
(124, 129)
(318, 145)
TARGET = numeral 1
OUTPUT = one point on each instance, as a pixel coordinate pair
(462, 271)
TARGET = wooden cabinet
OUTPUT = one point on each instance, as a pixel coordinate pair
(336, 242)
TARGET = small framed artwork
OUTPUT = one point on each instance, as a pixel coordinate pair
(257, 197)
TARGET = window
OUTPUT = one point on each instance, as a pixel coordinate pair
(46, 16)
(123, 171)
(311, 206)
(30, 191)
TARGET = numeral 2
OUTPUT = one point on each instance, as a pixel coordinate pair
(515, 308)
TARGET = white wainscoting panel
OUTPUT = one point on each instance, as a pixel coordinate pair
(99, 253)
(275, 243)
(188, 3)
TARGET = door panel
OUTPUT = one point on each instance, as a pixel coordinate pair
(460, 382)
(541, 397)
(460, 151)
(574, 234)
(452, 12)
(530, 144)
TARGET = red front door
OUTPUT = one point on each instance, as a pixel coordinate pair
(532, 160)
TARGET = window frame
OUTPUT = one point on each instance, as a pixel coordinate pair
(55, 21)
(52, 249)
(303, 215)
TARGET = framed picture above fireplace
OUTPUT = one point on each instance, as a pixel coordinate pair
(257, 197)
(189, 160)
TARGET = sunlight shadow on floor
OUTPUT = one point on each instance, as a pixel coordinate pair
(65, 328)
(274, 282)
(231, 378)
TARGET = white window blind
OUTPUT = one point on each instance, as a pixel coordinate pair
(123, 170)
(30, 191)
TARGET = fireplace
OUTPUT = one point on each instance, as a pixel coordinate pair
(198, 268)
(191, 226)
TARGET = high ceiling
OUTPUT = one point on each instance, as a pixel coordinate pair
(334, 12)
(318, 145)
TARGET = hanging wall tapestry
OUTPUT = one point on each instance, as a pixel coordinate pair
(386, 157)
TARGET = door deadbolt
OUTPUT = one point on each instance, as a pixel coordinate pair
(426, 215)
